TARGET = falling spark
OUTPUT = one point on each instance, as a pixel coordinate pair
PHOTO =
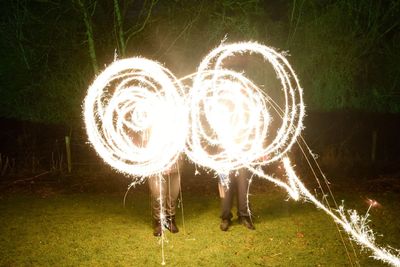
(373, 203)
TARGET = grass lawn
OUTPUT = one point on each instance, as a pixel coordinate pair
(97, 230)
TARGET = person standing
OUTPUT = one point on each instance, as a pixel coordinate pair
(238, 186)
(164, 190)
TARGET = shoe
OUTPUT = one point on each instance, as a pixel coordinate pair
(171, 225)
(246, 221)
(157, 229)
(224, 226)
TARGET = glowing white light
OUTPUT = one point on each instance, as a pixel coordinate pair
(137, 120)
(228, 128)
(135, 116)
(230, 114)
(355, 225)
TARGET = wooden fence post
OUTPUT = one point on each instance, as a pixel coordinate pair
(68, 149)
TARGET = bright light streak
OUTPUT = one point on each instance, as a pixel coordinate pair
(230, 114)
(229, 119)
(136, 118)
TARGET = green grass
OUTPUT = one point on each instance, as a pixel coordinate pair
(96, 230)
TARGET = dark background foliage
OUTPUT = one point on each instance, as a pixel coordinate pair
(346, 53)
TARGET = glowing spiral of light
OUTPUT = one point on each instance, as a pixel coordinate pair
(230, 115)
(229, 118)
(135, 116)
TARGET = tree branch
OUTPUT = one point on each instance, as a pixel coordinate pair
(153, 3)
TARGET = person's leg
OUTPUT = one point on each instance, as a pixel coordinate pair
(157, 187)
(226, 204)
(173, 186)
(242, 189)
(243, 205)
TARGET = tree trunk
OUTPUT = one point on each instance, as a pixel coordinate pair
(89, 33)
(119, 30)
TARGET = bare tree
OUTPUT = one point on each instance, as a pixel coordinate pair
(85, 10)
(119, 29)
(125, 36)
(21, 15)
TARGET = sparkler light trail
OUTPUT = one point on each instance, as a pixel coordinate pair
(229, 119)
(231, 112)
(139, 119)
(136, 118)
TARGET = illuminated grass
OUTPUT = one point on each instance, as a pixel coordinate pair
(96, 230)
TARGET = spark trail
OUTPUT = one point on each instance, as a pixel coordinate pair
(136, 117)
(139, 120)
(229, 119)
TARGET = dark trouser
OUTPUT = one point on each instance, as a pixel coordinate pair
(238, 185)
(169, 186)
